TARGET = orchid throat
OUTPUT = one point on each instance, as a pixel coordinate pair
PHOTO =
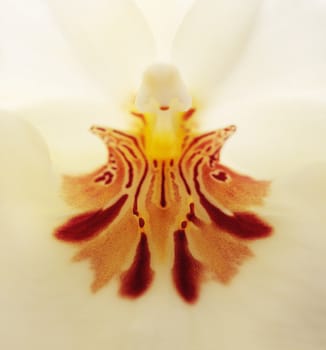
(162, 99)
(163, 199)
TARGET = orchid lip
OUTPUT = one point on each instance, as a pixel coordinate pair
(164, 188)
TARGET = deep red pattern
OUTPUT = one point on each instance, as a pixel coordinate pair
(242, 225)
(86, 226)
(187, 271)
(149, 212)
(137, 279)
(163, 196)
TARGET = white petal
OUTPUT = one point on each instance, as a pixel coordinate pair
(164, 21)
(65, 125)
(26, 172)
(285, 55)
(306, 187)
(110, 38)
(274, 136)
(36, 61)
(209, 41)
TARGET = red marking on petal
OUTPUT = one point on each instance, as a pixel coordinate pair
(100, 129)
(160, 190)
(141, 222)
(243, 225)
(184, 224)
(188, 114)
(88, 225)
(186, 271)
(106, 177)
(130, 150)
(192, 144)
(137, 279)
(220, 176)
(130, 169)
(163, 195)
(191, 216)
(164, 108)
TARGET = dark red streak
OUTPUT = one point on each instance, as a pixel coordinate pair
(135, 141)
(130, 169)
(188, 114)
(187, 187)
(127, 136)
(86, 226)
(242, 224)
(200, 147)
(141, 222)
(186, 271)
(135, 207)
(131, 151)
(192, 143)
(191, 216)
(137, 279)
(107, 177)
(163, 197)
(214, 157)
(139, 115)
(194, 155)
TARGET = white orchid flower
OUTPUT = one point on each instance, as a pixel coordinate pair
(67, 66)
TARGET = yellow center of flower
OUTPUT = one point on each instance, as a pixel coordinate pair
(162, 99)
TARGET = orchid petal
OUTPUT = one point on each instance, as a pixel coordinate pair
(275, 136)
(65, 125)
(276, 302)
(164, 31)
(45, 300)
(27, 178)
(209, 41)
(36, 62)
(110, 38)
(306, 187)
(285, 56)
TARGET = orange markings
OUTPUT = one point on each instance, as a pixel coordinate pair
(188, 213)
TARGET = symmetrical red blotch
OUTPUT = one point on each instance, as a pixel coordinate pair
(188, 213)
